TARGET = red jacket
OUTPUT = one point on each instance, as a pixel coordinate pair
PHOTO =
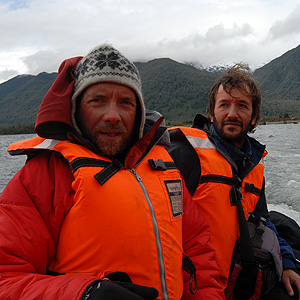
(36, 201)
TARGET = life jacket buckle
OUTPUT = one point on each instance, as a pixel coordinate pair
(157, 164)
(251, 188)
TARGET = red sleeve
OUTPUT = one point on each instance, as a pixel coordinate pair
(196, 236)
(32, 208)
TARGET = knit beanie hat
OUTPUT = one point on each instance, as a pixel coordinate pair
(106, 64)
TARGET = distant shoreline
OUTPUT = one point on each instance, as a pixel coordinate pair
(280, 121)
(29, 128)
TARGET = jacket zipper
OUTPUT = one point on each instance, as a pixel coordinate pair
(165, 293)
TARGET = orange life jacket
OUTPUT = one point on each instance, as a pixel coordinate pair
(213, 199)
(131, 222)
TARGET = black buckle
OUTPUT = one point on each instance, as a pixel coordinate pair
(235, 192)
(157, 164)
(252, 189)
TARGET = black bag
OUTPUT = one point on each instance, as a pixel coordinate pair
(268, 266)
(256, 264)
(289, 230)
(267, 255)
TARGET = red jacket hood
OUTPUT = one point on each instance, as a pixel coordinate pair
(54, 116)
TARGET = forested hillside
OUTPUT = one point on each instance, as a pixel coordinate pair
(176, 90)
(20, 99)
(279, 81)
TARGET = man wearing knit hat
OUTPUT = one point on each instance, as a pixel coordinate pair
(99, 210)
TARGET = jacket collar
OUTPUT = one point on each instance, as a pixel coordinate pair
(252, 149)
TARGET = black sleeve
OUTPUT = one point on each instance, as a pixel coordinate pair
(186, 159)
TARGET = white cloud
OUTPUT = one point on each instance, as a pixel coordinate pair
(38, 35)
(289, 27)
(42, 61)
(5, 74)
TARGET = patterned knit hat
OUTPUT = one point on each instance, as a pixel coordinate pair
(106, 64)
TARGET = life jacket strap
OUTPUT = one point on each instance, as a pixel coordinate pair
(161, 165)
(110, 168)
(217, 179)
(107, 172)
(249, 188)
(88, 162)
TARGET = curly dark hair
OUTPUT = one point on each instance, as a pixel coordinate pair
(239, 77)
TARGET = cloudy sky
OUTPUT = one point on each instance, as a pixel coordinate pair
(36, 35)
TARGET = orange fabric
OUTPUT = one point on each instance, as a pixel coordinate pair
(121, 198)
(25, 144)
(132, 237)
(213, 199)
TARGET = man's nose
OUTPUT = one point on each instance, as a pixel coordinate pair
(232, 112)
(112, 113)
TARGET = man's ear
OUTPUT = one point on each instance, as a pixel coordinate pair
(211, 118)
(253, 120)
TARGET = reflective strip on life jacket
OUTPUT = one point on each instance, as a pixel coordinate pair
(200, 143)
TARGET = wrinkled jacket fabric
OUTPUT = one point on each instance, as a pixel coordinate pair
(45, 193)
(207, 156)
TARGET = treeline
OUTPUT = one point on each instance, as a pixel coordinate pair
(17, 129)
(176, 90)
(273, 109)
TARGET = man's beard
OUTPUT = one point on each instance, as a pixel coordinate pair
(105, 147)
(238, 138)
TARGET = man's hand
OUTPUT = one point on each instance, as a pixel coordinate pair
(118, 290)
(290, 277)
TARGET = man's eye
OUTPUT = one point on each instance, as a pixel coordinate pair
(96, 100)
(128, 102)
(243, 106)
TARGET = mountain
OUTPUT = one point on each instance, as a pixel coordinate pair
(177, 90)
(20, 97)
(280, 79)
(279, 82)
